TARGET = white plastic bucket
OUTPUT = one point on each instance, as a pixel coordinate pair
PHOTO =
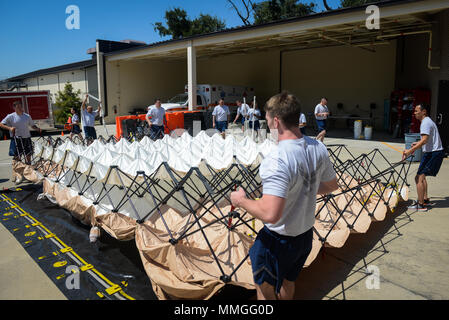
(357, 129)
(368, 132)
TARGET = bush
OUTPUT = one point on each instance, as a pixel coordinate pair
(65, 100)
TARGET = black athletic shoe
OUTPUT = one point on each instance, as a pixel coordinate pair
(418, 207)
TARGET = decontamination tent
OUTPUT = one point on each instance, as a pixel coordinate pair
(172, 197)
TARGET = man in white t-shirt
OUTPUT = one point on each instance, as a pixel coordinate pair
(433, 154)
(292, 176)
(88, 119)
(155, 119)
(242, 111)
(321, 114)
(220, 117)
(18, 123)
(75, 124)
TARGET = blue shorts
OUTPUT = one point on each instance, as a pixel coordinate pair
(156, 132)
(90, 132)
(303, 130)
(431, 163)
(256, 125)
(321, 124)
(76, 129)
(276, 257)
(24, 146)
(221, 125)
(243, 120)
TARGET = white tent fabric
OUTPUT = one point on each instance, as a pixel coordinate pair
(181, 154)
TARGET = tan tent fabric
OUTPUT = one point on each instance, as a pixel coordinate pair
(188, 269)
(316, 247)
(17, 169)
(74, 204)
(32, 175)
(353, 213)
(373, 202)
(117, 225)
(404, 193)
(327, 220)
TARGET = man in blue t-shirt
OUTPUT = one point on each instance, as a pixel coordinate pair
(433, 154)
(292, 176)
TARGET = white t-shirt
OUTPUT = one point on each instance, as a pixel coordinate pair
(429, 128)
(75, 119)
(243, 109)
(302, 118)
(157, 116)
(88, 118)
(21, 123)
(253, 114)
(221, 113)
(320, 109)
(294, 171)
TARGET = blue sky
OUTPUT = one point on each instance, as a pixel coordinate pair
(34, 33)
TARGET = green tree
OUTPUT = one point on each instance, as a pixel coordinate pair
(180, 26)
(274, 10)
(355, 3)
(271, 10)
(65, 100)
(206, 24)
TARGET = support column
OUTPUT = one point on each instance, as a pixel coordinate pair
(100, 74)
(191, 75)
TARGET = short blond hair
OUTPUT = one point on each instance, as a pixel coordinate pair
(286, 107)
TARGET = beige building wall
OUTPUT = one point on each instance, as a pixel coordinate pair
(31, 83)
(347, 75)
(136, 84)
(55, 82)
(77, 78)
(49, 82)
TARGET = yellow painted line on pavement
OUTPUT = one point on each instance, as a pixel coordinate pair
(114, 288)
(390, 146)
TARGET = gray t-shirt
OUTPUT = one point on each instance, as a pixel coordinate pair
(243, 109)
(221, 113)
(294, 171)
(254, 114)
(157, 116)
(88, 118)
(21, 123)
(302, 118)
(429, 128)
(320, 109)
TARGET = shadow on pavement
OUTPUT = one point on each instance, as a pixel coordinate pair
(345, 267)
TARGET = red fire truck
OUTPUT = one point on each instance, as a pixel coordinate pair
(36, 103)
